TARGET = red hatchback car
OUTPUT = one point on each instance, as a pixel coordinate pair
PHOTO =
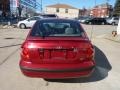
(57, 49)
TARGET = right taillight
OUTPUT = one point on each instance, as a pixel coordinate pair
(90, 53)
(87, 54)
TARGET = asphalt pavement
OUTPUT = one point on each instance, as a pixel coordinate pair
(105, 77)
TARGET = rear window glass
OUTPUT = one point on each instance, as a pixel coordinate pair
(48, 29)
(116, 18)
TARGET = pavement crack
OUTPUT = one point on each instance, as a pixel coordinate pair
(112, 40)
(10, 45)
(9, 56)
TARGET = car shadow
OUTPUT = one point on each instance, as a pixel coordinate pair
(101, 70)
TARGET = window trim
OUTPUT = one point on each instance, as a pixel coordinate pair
(32, 34)
(66, 10)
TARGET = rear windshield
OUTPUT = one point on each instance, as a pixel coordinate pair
(48, 29)
(116, 18)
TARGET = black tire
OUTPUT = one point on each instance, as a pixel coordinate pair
(103, 23)
(113, 23)
(22, 26)
(90, 23)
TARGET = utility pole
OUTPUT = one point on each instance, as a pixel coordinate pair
(92, 30)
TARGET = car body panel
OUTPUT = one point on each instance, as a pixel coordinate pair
(57, 56)
(52, 52)
(113, 20)
(57, 71)
(95, 21)
(29, 22)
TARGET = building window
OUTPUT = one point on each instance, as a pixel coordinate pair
(103, 10)
(66, 10)
(99, 12)
(57, 9)
(91, 11)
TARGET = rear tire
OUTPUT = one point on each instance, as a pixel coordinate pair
(113, 23)
(90, 23)
(22, 26)
(103, 23)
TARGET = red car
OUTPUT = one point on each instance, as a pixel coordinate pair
(57, 49)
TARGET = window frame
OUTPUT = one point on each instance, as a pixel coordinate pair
(57, 10)
(36, 26)
(66, 10)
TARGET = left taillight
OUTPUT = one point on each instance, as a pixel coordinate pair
(25, 52)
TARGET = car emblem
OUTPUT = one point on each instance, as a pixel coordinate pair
(59, 47)
(75, 50)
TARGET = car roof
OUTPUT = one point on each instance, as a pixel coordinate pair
(58, 20)
(35, 16)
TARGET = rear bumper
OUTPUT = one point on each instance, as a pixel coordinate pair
(55, 71)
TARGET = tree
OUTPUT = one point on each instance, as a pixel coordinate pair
(5, 5)
(116, 11)
(19, 10)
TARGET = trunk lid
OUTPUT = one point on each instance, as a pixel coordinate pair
(65, 50)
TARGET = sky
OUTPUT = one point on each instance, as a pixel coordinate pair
(76, 3)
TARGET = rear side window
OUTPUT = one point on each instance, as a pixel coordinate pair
(116, 18)
(37, 18)
(33, 18)
(48, 29)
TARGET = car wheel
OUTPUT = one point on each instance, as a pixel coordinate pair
(103, 23)
(113, 23)
(22, 26)
(90, 23)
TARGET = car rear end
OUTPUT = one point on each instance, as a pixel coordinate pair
(60, 54)
(113, 21)
(89, 21)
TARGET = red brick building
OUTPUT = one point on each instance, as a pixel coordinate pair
(103, 10)
(84, 12)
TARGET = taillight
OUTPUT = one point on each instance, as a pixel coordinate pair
(25, 53)
(87, 54)
(90, 53)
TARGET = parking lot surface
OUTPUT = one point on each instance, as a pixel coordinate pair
(105, 77)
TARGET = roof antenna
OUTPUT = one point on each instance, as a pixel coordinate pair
(91, 33)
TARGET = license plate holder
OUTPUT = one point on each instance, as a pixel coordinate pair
(58, 53)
